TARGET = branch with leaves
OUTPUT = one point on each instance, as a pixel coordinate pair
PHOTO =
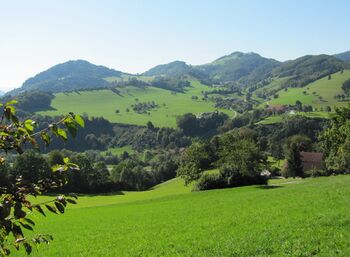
(15, 206)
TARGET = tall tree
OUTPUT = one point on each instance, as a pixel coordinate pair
(335, 141)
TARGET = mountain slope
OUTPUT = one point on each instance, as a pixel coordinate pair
(69, 76)
(172, 69)
(319, 94)
(345, 56)
(307, 69)
(238, 66)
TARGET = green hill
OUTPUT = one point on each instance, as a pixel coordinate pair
(173, 69)
(345, 56)
(318, 94)
(238, 66)
(307, 69)
(105, 103)
(289, 218)
(69, 76)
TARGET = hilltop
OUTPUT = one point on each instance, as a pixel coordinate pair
(68, 76)
(240, 67)
(345, 56)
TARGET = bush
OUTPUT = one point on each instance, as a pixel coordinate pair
(316, 173)
(216, 181)
(236, 178)
(242, 180)
(275, 171)
(210, 181)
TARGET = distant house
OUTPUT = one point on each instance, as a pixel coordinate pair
(312, 160)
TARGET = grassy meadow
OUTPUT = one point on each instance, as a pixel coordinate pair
(293, 217)
(324, 88)
(104, 103)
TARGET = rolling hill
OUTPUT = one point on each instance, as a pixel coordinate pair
(177, 88)
(173, 69)
(345, 56)
(240, 67)
(169, 220)
(69, 76)
(307, 69)
(319, 94)
(106, 102)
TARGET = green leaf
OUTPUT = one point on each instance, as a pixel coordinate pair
(71, 201)
(61, 133)
(66, 160)
(72, 128)
(39, 209)
(59, 207)
(58, 167)
(29, 125)
(29, 221)
(12, 102)
(51, 208)
(78, 119)
(17, 231)
(28, 248)
(46, 138)
(26, 226)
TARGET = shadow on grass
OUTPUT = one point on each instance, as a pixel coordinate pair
(268, 186)
(87, 194)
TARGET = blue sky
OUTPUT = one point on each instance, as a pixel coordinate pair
(133, 36)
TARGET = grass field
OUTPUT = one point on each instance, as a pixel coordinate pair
(279, 118)
(119, 150)
(104, 103)
(324, 88)
(289, 218)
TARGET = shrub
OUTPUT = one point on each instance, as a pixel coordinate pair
(316, 173)
(275, 171)
(210, 181)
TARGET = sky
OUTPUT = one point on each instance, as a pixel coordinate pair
(133, 36)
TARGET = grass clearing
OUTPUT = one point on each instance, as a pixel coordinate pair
(301, 218)
(324, 88)
(119, 150)
(105, 103)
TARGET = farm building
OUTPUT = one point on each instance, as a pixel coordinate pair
(312, 160)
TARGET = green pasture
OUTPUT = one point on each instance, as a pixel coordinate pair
(105, 103)
(119, 150)
(302, 217)
(310, 94)
(279, 118)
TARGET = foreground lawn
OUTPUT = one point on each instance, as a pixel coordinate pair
(291, 218)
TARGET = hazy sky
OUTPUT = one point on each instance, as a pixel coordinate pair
(133, 36)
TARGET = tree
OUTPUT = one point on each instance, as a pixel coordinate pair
(298, 105)
(239, 154)
(196, 159)
(188, 123)
(150, 125)
(31, 166)
(335, 142)
(346, 86)
(292, 148)
(15, 204)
